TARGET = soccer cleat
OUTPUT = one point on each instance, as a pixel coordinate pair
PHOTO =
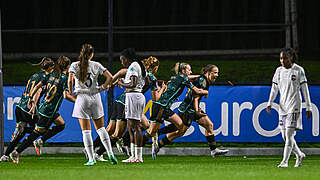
(299, 160)
(98, 157)
(85, 153)
(119, 145)
(155, 150)
(216, 152)
(89, 163)
(128, 160)
(136, 160)
(38, 144)
(113, 159)
(4, 158)
(283, 165)
(15, 157)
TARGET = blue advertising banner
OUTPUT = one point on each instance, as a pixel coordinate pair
(237, 112)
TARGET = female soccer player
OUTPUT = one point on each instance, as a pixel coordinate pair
(288, 79)
(188, 112)
(48, 109)
(88, 104)
(23, 117)
(161, 109)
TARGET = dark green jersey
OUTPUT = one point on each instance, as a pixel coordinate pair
(122, 98)
(187, 105)
(152, 85)
(32, 82)
(174, 88)
(50, 104)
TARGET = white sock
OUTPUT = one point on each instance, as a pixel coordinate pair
(132, 149)
(88, 143)
(138, 152)
(289, 144)
(295, 148)
(105, 139)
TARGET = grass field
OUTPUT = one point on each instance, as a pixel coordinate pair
(70, 166)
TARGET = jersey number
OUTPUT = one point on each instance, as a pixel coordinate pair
(32, 86)
(88, 82)
(52, 91)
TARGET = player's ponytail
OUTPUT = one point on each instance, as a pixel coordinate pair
(45, 63)
(85, 53)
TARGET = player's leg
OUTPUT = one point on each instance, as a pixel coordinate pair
(40, 129)
(206, 123)
(87, 139)
(59, 126)
(18, 134)
(105, 139)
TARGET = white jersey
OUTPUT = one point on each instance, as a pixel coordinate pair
(288, 82)
(135, 70)
(90, 86)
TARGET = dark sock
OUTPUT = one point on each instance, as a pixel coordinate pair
(126, 139)
(146, 138)
(113, 140)
(97, 142)
(28, 141)
(101, 150)
(164, 141)
(14, 143)
(167, 129)
(52, 132)
(211, 142)
(29, 129)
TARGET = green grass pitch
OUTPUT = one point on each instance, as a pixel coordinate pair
(70, 166)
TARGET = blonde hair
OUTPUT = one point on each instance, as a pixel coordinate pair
(178, 67)
(151, 63)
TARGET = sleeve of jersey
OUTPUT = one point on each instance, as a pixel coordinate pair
(188, 83)
(102, 69)
(305, 90)
(72, 68)
(303, 78)
(132, 70)
(274, 89)
(153, 82)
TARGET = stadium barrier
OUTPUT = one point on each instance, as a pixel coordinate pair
(238, 114)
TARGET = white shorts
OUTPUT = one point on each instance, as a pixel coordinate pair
(291, 120)
(134, 107)
(88, 105)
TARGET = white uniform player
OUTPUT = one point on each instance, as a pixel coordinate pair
(135, 100)
(288, 80)
(88, 103)
(134, 107)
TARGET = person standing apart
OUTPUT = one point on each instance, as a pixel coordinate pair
(288, 79)
(88, 103)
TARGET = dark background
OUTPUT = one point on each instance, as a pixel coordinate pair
(37, 14)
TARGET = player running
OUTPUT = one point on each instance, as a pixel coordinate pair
(23, 117)
(48, 109)
(189, 111)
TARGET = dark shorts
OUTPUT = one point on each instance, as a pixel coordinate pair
(188, 117)
(160, 113)
(22, 116)
(117, 112)
(45, 122)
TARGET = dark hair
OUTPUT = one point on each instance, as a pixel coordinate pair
(62, 64)
(129, 54)
(45, 63)
(291, 53)
(208, 68)
(84, 56)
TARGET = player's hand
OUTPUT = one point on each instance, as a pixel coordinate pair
(308, 114)
(269, 109)
(201, 113)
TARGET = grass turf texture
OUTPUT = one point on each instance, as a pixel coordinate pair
(70, 166)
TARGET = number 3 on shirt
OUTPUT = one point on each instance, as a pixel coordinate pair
(88, 82)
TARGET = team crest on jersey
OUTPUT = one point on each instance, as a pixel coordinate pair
(293, 77)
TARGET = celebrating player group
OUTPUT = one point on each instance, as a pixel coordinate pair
(128, 128)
